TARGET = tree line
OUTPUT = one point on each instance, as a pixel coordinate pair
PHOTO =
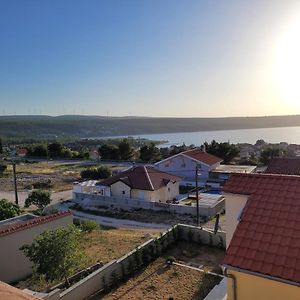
(151, 153)
(55, 150)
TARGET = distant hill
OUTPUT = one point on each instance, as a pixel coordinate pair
(43, 127)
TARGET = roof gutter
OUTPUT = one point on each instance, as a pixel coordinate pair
(265, 276)
(231, 276)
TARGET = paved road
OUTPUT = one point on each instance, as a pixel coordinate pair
(118, 223)
(56, 197)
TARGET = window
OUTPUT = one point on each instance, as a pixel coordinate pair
(169, 190)
(123, 192)
(183, 165)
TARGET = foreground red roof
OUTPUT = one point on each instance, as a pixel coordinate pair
(143, 178)
(200, 155)
(22, 225)
(8, 292)
(288, 166)
(267, 239)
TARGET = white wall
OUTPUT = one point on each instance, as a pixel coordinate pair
(130, 203)
(120, 189)
(161, 195)
(234, 203)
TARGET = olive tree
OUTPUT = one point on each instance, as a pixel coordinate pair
(38, 198)
(55, 253)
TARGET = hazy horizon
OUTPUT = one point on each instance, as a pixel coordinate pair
(150, 59)
(140, 116)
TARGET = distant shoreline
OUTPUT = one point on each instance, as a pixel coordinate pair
(273, 135)
(139, 135)
(45, 127)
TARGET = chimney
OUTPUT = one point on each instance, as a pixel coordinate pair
(204, 148)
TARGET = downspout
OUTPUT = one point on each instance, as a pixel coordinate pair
(231, 276)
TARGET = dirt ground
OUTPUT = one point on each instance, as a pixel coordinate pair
(174, 282)
(144, 215)
(111, 243)
(211, 223)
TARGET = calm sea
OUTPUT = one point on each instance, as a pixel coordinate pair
(289, 135)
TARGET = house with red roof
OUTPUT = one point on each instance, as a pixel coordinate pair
(284, 165)
(145, 183)
(21, 152)
(262, 259)
(184, 165)
(20, 230)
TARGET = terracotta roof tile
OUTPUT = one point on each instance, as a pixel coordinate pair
(200, 155)
(267, 239)
(8, 292)
(22, 225)
(142, 178)
(288, 166)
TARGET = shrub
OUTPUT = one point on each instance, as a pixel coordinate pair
(8, 209)
(88, 225)
(38, 198)
(2, 169)
(101, 172)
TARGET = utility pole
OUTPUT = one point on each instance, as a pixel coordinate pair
(197, 195)
(15, 182)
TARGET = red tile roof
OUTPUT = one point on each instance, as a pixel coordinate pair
(22, 151)
(200, 155)
(143, 178)
(267, 239)
(288, 166)
(22, 225)
(8, 292)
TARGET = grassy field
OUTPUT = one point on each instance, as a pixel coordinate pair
(110, 243)
(61, 175)
(159, 281)
(102, 245)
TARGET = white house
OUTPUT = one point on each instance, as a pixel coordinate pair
(184, 165)
(145, 183)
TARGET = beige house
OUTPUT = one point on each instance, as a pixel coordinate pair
(145, 183)
(16, 232)
(262, 259)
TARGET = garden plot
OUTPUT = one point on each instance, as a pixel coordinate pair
(162, 281)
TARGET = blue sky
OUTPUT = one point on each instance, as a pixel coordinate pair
(148, 58)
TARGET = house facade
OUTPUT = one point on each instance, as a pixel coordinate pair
(144, 183)
(262, 259)
(184, 165)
